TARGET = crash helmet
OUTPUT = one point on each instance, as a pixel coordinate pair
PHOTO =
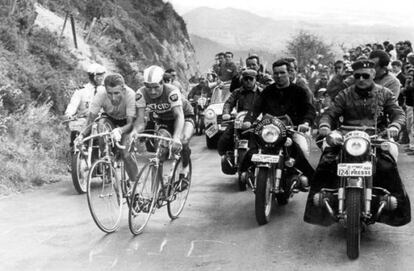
(153, 75)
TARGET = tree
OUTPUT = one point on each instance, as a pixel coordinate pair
(307, 47)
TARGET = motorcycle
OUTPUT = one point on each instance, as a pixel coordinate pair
(232, 163)
(84, 155)
(78, 160)
(275, 174)
(355, 202)
(199, 106)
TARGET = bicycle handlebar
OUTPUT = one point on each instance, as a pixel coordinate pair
(143, 135)
(122, 147)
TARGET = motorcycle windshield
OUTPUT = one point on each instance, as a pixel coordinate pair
(220, 94)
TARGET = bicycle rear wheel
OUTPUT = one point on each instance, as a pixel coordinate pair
(178, 191)
(104, 195)
(143, 199)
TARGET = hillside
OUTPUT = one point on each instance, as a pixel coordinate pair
(127, 37)
(40, 69)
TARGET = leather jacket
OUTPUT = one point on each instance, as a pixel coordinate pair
(241, 98)
(357, 110)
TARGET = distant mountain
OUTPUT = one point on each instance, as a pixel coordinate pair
(243, 30)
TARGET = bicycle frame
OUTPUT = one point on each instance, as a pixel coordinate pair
(158, 163)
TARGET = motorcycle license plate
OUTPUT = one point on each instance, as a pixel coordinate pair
(354, 170)
(212, 130)
(265, 158)
(243, 144)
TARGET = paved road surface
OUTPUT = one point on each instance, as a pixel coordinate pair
(51, 229)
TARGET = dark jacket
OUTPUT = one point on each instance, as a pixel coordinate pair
(359, 111)
(292, 101)
(409, 96)
(241, 98)
(261, 79)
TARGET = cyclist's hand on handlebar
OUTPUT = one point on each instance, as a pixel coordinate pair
(324, 131)
(116, 134)
(392, 132)
(246, 125)
(226, 116)
(78, 140)
(133, 135)
(304, 127)
(176, 146)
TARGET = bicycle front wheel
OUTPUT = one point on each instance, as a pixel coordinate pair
(104, 195)
(143, 199)
(178, 191)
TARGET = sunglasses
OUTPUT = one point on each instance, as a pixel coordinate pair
(363, 75)
(247, 78)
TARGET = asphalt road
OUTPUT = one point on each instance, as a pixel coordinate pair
(51, 229)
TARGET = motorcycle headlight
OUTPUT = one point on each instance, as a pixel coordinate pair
(270, 133)
(209, 114)
(356, 146)
(334, 139)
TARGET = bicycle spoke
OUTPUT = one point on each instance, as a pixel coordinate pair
(143, 199)
(178, 191)
(104, 196)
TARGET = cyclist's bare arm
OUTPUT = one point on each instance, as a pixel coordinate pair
(139, 124)
(90, 119)
(179, 121)
(128, 126)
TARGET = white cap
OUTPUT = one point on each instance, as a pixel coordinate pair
(153, 74)
(96, 69)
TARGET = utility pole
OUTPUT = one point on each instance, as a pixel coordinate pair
(72, 20)
(12, 7)
(90, 29)
(64, 23)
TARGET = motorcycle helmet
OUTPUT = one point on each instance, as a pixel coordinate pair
(95, 68)
(227, 166)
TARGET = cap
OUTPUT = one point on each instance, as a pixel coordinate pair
(363, 64)
(249, 72)
(96, 69)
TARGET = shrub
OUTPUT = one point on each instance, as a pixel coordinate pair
(32, 136)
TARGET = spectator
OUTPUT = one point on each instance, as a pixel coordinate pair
(382, 76)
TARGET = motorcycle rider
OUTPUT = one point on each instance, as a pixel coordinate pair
(364, 103)
(262, 78)
(201, 89)
(285, 98)
(81, 98)
(243, 99)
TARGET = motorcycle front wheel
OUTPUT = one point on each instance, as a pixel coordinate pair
(242, 176)
(263, 201)
(353, 222)
(79, 172)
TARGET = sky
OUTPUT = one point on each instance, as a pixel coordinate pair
(396, 12)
